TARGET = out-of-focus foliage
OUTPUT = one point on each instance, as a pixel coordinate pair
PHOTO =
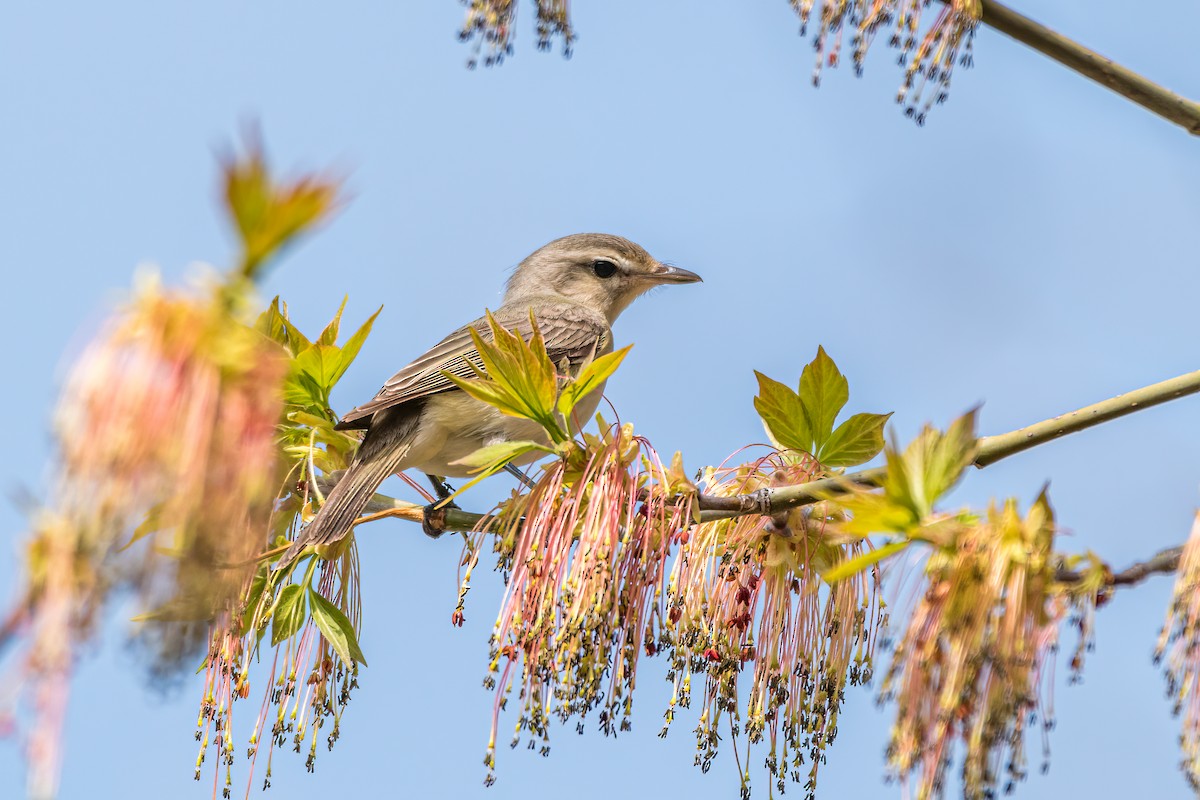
(269, 214)
(168, 462)
(490, 25)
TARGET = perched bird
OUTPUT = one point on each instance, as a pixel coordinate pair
(576, 287)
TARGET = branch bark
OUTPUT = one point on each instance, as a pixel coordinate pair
(1104, 71)
(1164, 562)
(768, 501)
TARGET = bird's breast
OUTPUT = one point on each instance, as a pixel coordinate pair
(454, 425)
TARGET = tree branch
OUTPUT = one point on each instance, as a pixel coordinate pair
(1149, 95)
(768, 501)
(991, 450)
(994, 448)
(1164, 562)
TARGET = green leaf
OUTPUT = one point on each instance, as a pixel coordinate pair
(782, 415)
(354, 344)
(898, 484)
(590, 378)
(151, 524)
(336, 628)
(870, 512)
(500, 454)
(949, 455)
(311, 420)
(257, 586)
(320, 362)
(330, 333)
(853, 566)
(275, 325)
(302, 390)
(290, 614)
(488, 391)
(931, 464)
(487, 461)
(824, 391)
(856, 441)
(521, 381)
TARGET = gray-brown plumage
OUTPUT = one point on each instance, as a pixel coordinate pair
(576, 287)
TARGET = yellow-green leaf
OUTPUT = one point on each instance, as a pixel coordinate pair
(290, 614)
(824, 391)
(336, 628)
(590, 378)
(782, 415)
(330, 333)
(151, 524)
(354, 344)
(488, 391)
(949, 455)
(487, 461)
(853, 566)
(499, 454)
(275, 325)
(856, 441)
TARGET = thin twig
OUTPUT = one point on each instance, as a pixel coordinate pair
(1146, 93)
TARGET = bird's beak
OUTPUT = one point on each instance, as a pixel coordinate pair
(668, 274)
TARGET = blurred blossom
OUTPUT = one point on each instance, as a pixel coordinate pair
(1179, 645)
(165, 432)
(168, 468)
(970, 663)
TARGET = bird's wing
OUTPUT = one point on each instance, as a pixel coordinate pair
(570, 331)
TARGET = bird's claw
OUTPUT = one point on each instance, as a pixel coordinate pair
(433, 518)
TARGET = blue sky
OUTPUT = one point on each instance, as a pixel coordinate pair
(1032, 248)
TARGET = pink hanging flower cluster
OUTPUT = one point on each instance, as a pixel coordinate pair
(746, 595)
(308, 685)
(585, 550)
(929, 59)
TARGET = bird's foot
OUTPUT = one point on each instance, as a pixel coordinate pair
(442, 489)
(433, 520)
(517, 473)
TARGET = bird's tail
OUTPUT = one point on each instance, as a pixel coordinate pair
(345, 502)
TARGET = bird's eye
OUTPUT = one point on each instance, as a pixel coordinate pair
(604, 269)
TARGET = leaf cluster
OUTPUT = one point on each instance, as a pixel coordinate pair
(315, 368)
(518, 379)
(802, 421)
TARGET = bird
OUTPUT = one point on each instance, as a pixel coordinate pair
(575, 287)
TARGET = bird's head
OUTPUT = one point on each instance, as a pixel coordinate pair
(597, 270)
